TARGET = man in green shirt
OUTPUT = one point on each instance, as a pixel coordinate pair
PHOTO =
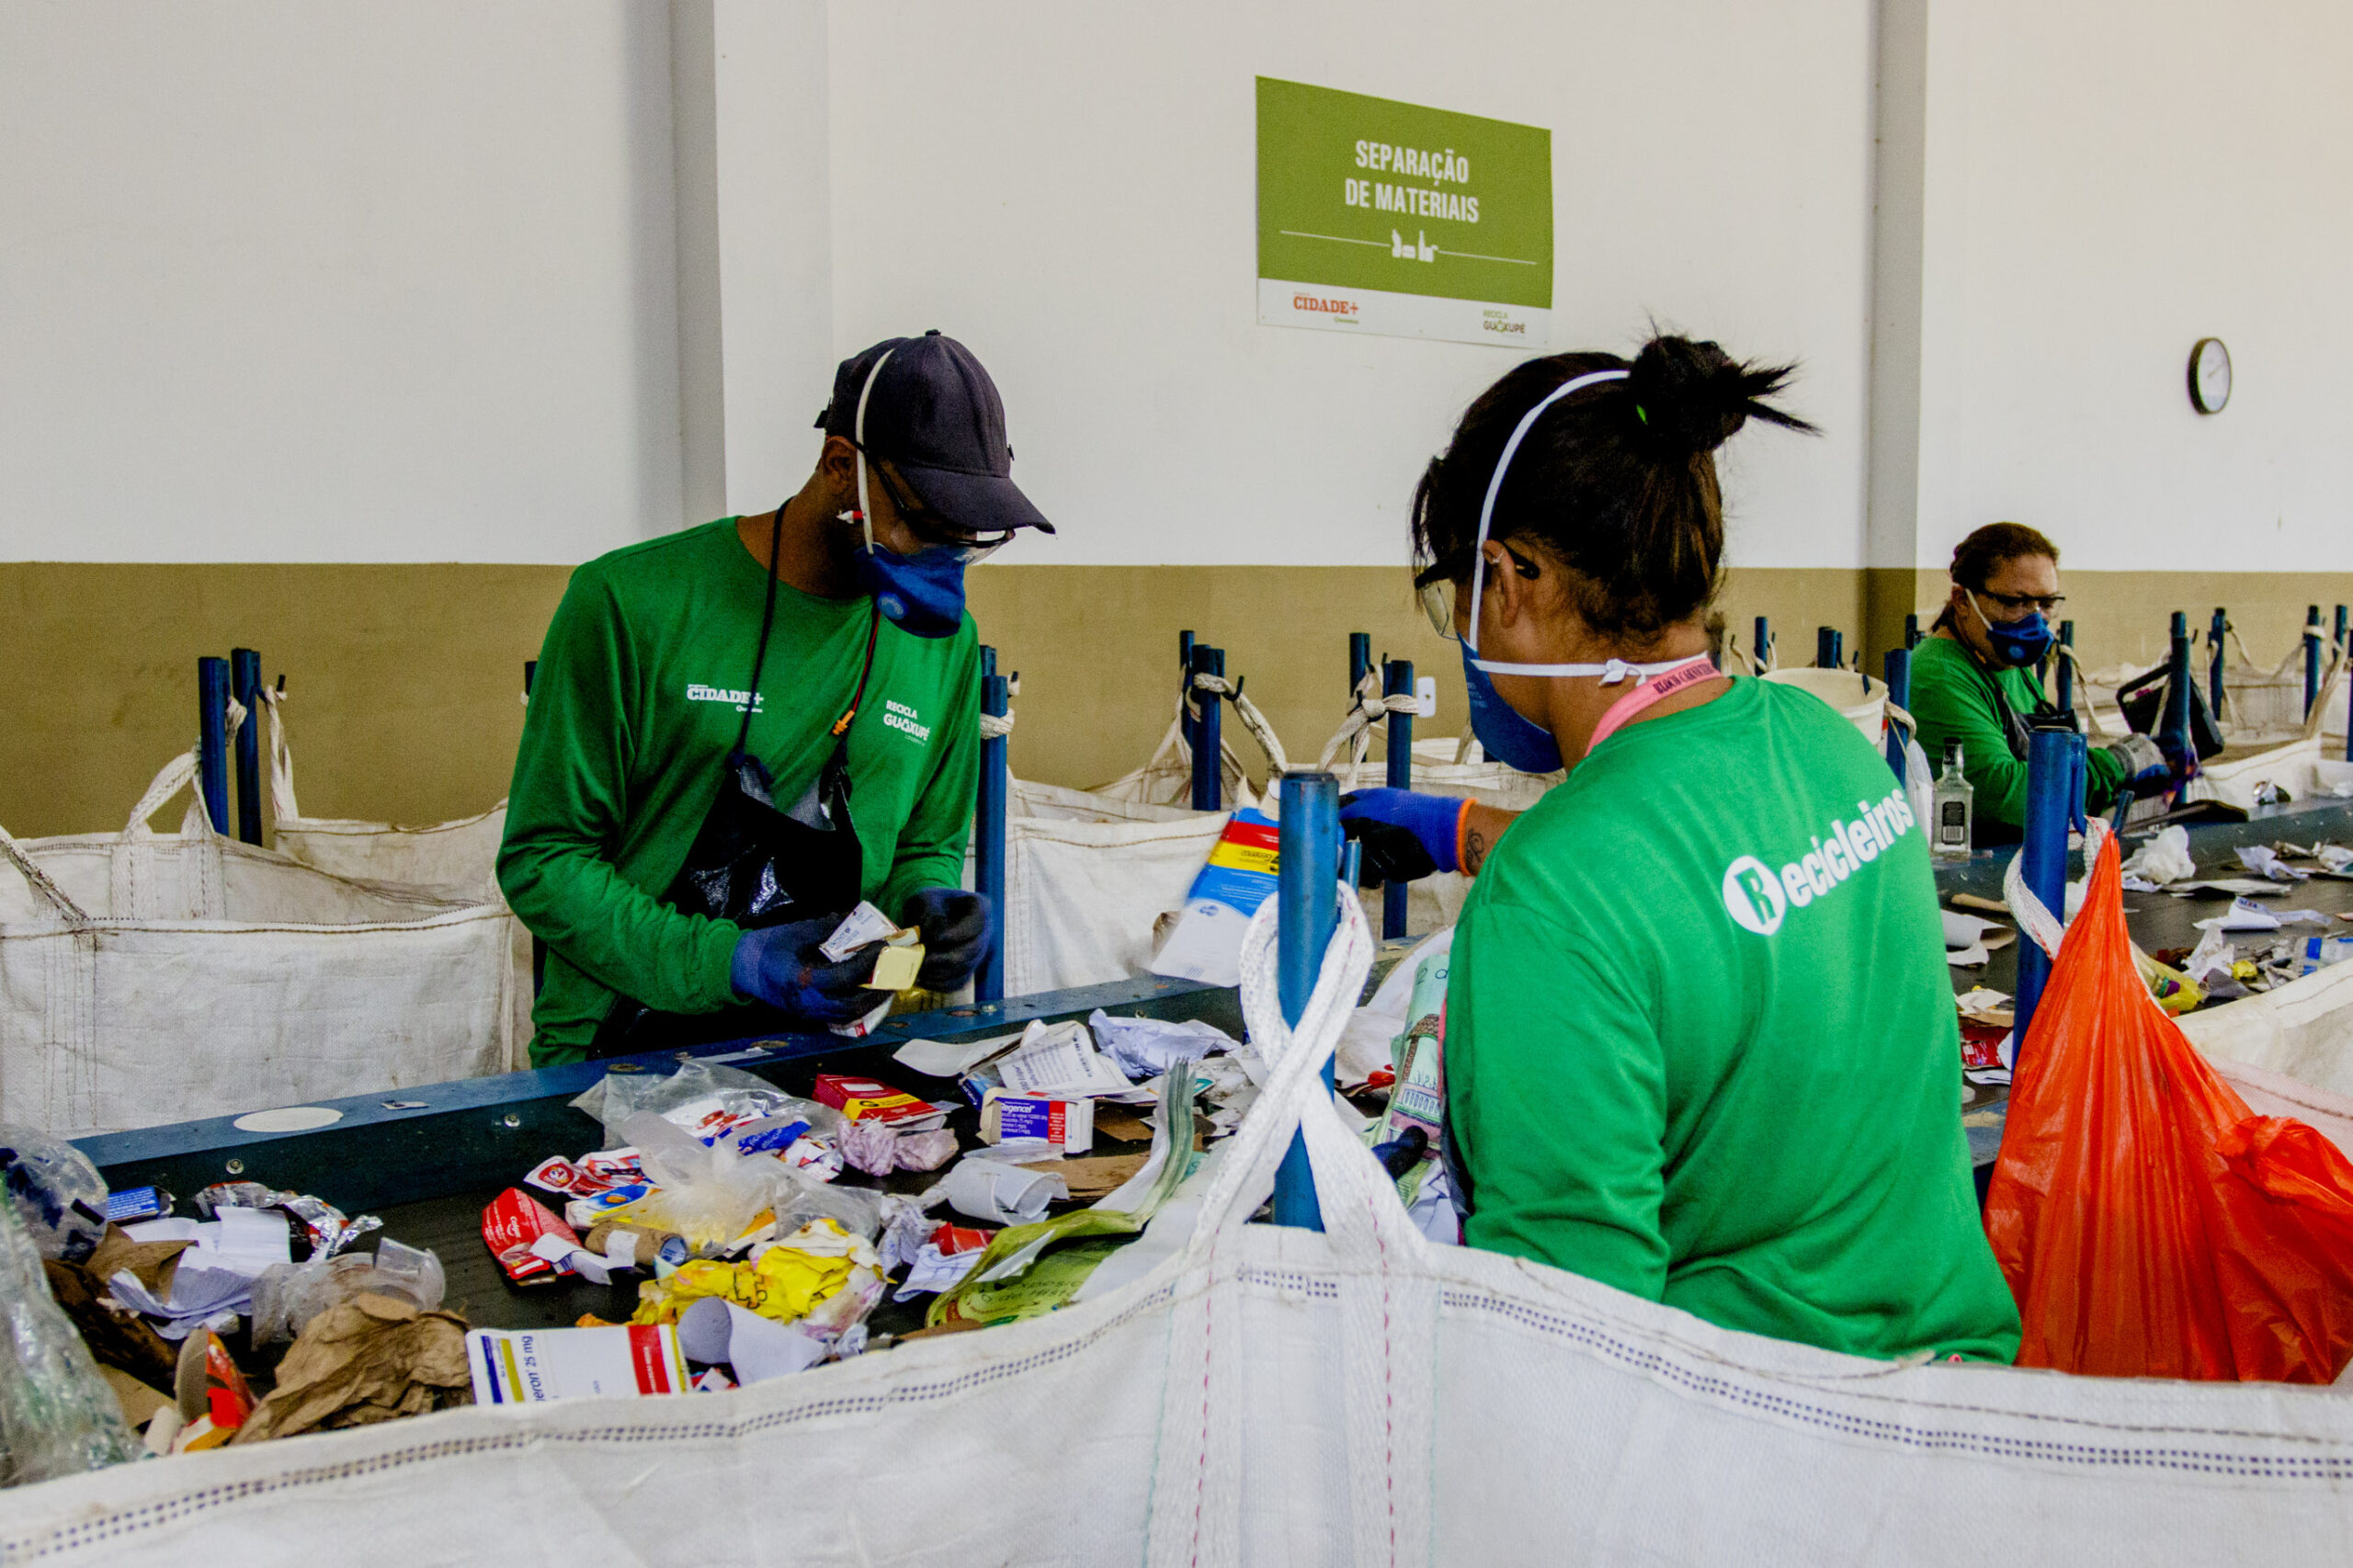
(1974, 681)
(738, 731)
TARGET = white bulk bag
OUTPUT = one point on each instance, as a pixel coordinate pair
(1086, 879)
(1283, 1397)
(149, 978)
(1168, 779)
(2309, 768)
(456, 859)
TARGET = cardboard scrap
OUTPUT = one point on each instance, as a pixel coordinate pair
(139, 1401)
(1095, 1175)
(118, 1336)
(372, 1358)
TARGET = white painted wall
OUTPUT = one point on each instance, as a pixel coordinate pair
(1071, 190)
(282, 281)
(2106, 182)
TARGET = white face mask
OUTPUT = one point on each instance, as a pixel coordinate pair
(1611, 671)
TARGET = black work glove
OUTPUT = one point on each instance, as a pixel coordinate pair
(958, 928)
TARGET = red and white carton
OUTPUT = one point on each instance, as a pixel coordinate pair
(1068, 1125)
(512, 1224)
(528, 1366)
(863, 1099)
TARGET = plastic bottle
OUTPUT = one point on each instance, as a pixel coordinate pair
(1954, 798)
(57, 1416)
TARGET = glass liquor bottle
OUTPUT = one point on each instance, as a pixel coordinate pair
(1949, 846)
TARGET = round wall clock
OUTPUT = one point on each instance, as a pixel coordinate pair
(2210, 376)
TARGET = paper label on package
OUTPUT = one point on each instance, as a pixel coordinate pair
(864, 926)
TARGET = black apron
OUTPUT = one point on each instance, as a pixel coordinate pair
(755, 865)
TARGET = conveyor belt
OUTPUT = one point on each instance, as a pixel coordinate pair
(427, 1160)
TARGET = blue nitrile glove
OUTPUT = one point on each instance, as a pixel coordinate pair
(783, 966)
(1406, 834)
(957, 928)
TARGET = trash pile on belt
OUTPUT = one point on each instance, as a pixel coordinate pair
(736, 1232)
(118, 1312)
(2254, 944)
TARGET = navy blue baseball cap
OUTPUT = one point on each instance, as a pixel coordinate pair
(934, 416)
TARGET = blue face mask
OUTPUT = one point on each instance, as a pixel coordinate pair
(922, 593)
(1511, 740)
(2016, 642)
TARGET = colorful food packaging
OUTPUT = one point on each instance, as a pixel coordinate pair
(863, 1099)
(512, 1224)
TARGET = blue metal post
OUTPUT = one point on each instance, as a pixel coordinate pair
(530, 672)
(1764, 642)
(1307, 908)
(1209, 739)
(2175, 724)
(1396, 680)
(2341, 613)
(244, 681)
(2311, 658)
(212, 738)
(2051, 794)
(1828, 650)
(2067, 670)
(2217, 633)
(1898, 667)
(1911, 632)
(1359, 660)
(988, 859)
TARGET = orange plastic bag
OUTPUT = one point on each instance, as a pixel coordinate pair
(2149, 1224)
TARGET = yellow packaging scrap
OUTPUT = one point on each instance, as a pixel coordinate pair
(783, 1282)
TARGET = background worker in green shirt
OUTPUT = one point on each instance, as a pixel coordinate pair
(1700, 1043)
(1973, 680)
(738, 731)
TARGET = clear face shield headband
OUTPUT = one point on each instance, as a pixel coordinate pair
(1611, 671)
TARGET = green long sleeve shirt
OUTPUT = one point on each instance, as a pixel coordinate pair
(1952, 697)
(1700, 1044)
(632, 713)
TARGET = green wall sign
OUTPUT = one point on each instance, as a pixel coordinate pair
(1381, 217)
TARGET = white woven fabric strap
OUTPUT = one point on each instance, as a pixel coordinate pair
(1247, 710)
(1356, 731)
(2042, 927)
(996, 726)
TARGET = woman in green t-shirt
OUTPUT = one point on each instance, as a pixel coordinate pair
(1700, 1040)
(1974, 680)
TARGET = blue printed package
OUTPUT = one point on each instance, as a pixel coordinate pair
(2319, 952)
(771, 1137)
(1068, 1125)
(135, 1203)
(1205, 943)
(581, 1213)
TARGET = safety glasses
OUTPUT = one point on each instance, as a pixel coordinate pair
(1438, 596)
(2020, 604)
(933, 528)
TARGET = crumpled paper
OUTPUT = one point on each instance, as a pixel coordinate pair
(372, 1358)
